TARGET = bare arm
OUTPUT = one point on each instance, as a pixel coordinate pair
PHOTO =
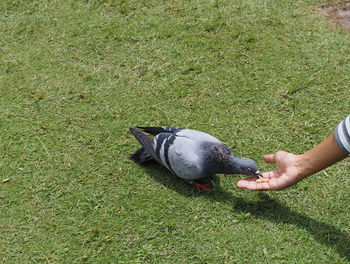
(293, 168)
(320, 157)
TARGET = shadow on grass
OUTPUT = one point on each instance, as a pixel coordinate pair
(164, 177)
(267, 208)
(272, 210)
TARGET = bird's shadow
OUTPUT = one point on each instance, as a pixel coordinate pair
(266, 208)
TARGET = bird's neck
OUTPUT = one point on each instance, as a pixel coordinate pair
(227, 166)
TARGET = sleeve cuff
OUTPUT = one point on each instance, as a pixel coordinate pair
(342, 135)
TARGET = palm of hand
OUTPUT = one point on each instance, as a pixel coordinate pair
(285, 175)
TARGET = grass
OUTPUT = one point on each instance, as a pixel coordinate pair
(75, 75)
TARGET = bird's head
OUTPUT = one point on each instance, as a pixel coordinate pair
(248, 167)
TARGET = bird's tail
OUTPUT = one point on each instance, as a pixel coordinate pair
(157, 130)
(141, 156)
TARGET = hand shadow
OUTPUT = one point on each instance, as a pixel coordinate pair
(273, 211)
(267, 208)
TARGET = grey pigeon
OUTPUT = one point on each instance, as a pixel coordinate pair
(190, 154)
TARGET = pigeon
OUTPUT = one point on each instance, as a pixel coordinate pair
(190, 154)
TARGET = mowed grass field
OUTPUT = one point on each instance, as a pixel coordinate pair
(259, 75)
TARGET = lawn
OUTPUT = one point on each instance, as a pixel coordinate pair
(75, 75)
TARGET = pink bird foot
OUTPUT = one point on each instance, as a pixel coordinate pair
(201, 186)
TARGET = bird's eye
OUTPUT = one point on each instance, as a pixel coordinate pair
(248, 169)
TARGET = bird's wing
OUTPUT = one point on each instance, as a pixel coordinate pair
(186, 158)
(185, 153)
(196, 136)
(180, 155)
(179, 150)
(164, 143)
(157, 130)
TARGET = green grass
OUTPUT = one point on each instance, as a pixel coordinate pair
(75, 75)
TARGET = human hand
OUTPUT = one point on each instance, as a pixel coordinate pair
(286, 174)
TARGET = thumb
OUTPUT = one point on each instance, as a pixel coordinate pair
(270, 158)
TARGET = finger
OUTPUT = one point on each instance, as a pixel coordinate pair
(267, 174)
(270, 158)
(270, 174)
(250, 184)
(243, 183)
(254, 186)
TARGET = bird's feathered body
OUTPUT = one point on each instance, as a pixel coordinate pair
(190, 154)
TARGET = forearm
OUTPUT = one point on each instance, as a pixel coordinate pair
(320, 157)
(292, 168)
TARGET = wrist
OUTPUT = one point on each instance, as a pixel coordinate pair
(304, 166)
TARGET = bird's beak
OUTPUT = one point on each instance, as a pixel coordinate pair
(258, 174)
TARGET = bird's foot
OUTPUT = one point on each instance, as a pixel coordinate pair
(201, 186)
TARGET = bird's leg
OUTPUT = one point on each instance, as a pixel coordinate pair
(200, 186)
